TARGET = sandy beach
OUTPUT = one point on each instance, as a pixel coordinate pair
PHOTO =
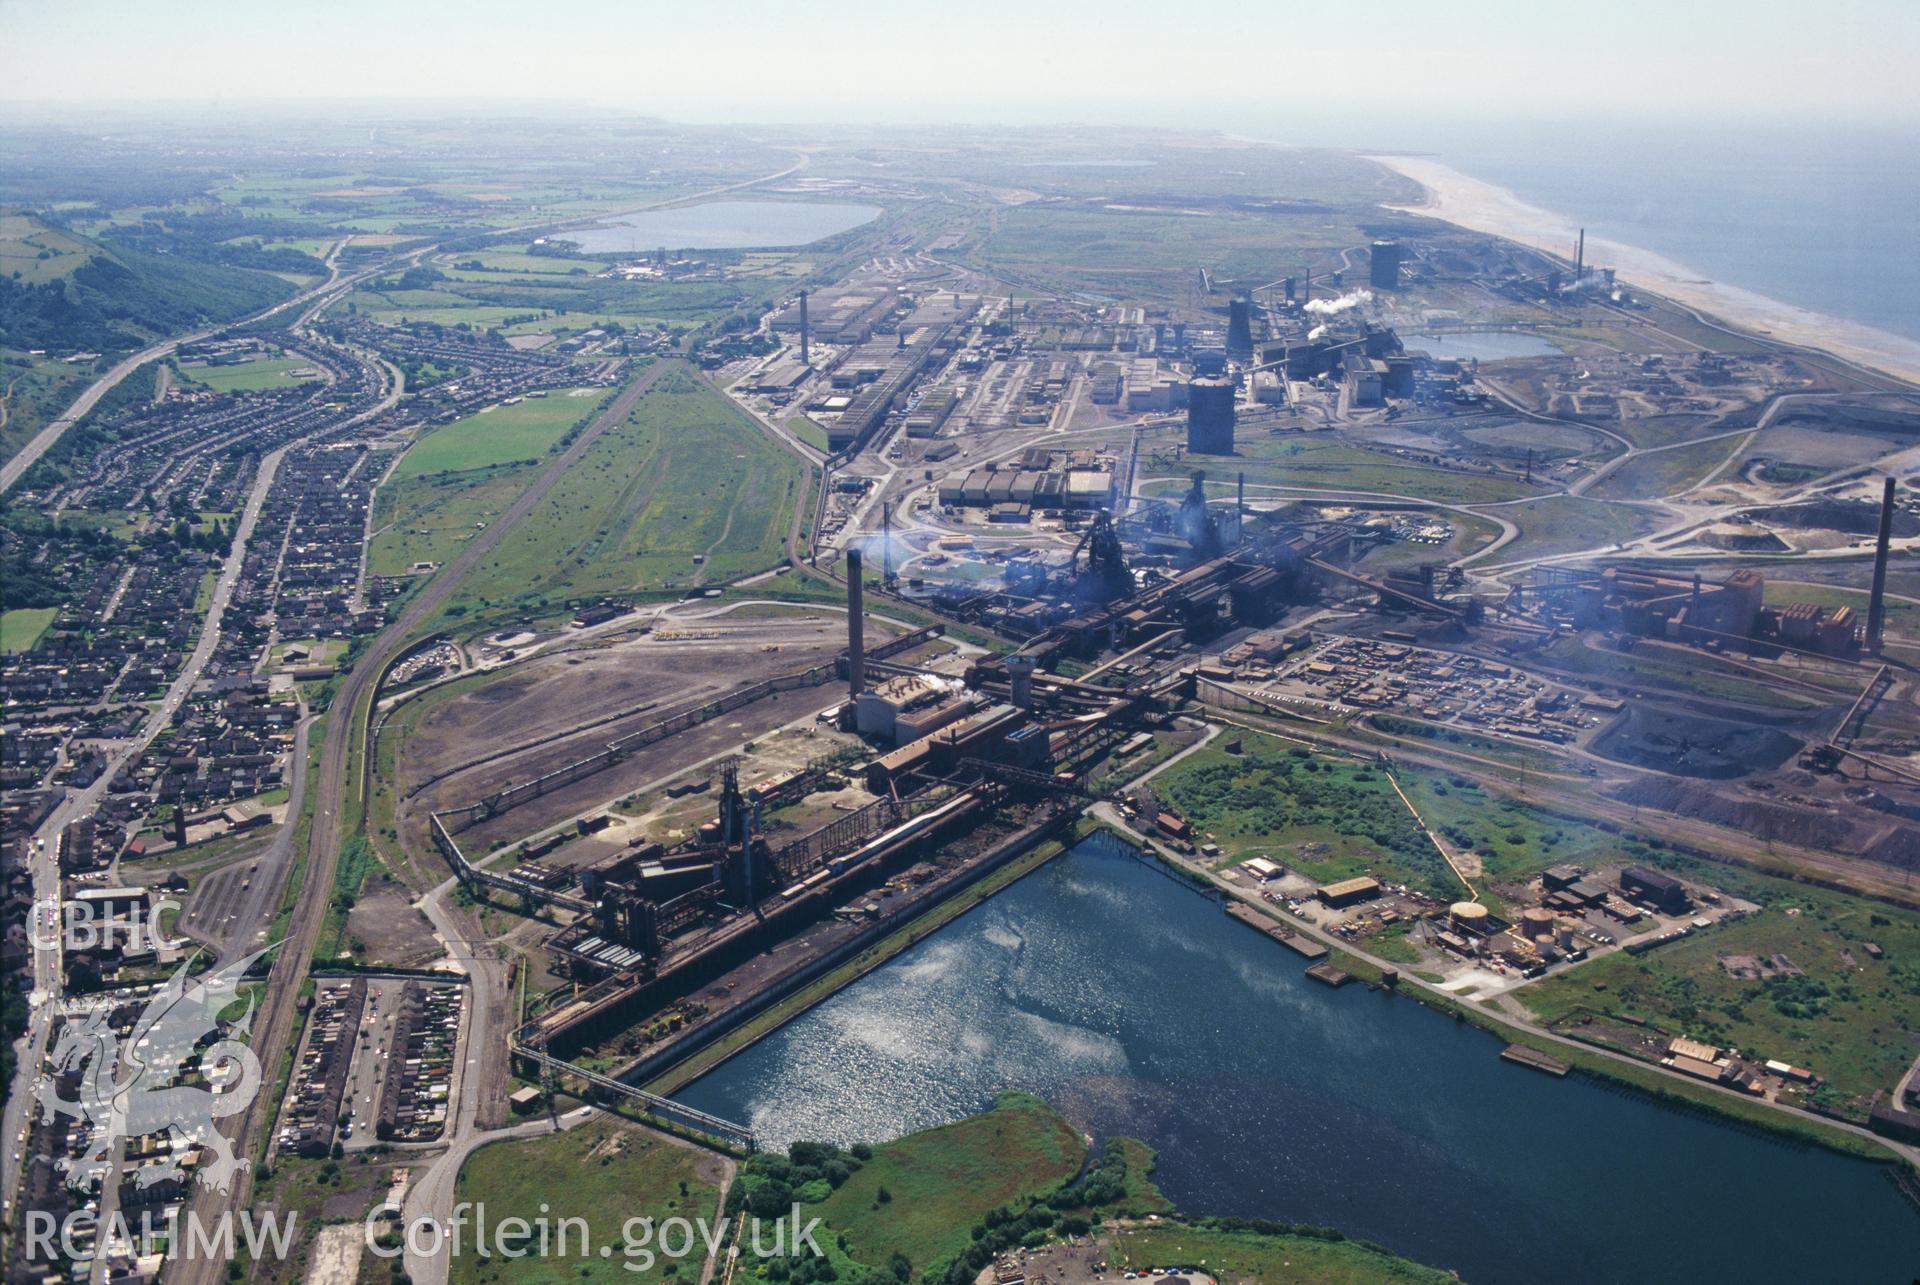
(1483, 207)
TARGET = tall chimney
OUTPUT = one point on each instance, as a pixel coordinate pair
(856, 627)
(1020, 681)
(806, 357)
(1877, 604)
(1580, 257)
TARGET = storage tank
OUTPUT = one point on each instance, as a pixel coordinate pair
(1469, 914)
(1563, 930)
(1535, 923)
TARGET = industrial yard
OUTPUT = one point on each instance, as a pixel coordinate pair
(576, 694)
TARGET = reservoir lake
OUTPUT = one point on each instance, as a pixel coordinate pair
(722, 225)
(1132, 1003)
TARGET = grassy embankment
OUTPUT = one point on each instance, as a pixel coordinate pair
(684, 490)
(1848, 1022)
(940, 1204)
(461, 476)
(879, 953)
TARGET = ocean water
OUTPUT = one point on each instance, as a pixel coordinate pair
(1134, 1005)
(1818, 216)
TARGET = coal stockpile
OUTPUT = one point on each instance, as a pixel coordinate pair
(1692, 745)
(1855, 517)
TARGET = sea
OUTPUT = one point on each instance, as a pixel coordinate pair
(1817, 215)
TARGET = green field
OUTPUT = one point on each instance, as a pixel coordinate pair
(909, 1206)
(808, 431)
(1853, 1023)
(34, 253)
(1274, 798)
(1662, 473)
(1562, 524)
(943, 1180)
(21, 628)
(461, 476)
(1318, 462)
(1134, 251)
(427, 519)
(685, 490)
(512, 434)
(1234, 1257)
(605, 1172)
(251, 376)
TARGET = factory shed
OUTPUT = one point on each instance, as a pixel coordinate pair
(1347, 891)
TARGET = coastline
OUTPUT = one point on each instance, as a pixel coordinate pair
(1478, 206)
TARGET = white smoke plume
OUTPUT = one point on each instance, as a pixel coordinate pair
(1327, 307)
(1316, 332)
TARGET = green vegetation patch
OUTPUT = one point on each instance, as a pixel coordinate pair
(1317, 462)
(1851, 1018)
(251, 376)
(605, 1172)
(939, 1182)
(1563, 524)
(21, 628)
(1235, 1251)
(519, 433)
(1332, 818)
(1668, 472)
(685, 490)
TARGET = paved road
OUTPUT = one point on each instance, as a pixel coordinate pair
(1108, 813)
(273, 1021)
(45, 865)
(43, 441)
(431, 1194)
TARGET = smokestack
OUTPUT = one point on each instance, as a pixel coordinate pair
(856, 627)
(1877, 604)
(1020, 681)
(1580, 257)
(806, 354)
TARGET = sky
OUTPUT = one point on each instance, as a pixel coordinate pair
(990, 61)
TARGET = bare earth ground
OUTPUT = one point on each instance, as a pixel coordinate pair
(551, 695)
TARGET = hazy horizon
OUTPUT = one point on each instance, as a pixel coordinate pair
(992, 63)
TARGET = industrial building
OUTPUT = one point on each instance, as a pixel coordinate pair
(1383, 265)
(1210, 415)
